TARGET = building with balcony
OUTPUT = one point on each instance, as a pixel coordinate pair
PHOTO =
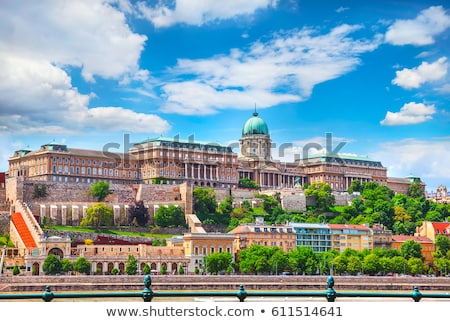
(316, 236)
(357, 237)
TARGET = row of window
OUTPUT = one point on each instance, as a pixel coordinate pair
(93, 171)
(211, 250)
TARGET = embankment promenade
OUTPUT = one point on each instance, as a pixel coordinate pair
(221, 282)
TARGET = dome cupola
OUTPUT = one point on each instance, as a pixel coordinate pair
(255, 125)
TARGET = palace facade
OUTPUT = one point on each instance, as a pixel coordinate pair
(173, 160)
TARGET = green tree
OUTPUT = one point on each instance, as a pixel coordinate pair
(269, 203)
(82, 265)
(16, 270)
(247, 184)
(100, 190)
(398, 264)
(442, 244)
(171, 216)
(52, 265)
(371, 264)
(256, 259)
(415, 265)
(204, 201)
(218, 262)
(304, 260)
(322, 193)
(339, 265)
(442, 265)
(354, 265)
(131, 265)
(146, 270)
(66, 265)
(355, 186)
(226, 206)
(416, 190)
(98, 214)
(410, 249)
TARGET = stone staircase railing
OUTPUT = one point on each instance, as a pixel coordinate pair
(31, 222)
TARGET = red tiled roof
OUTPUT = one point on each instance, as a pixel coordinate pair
(440, 227)
(346, 226)
(23, 230)
(419, 239)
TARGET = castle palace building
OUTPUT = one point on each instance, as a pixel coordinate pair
(173, 160)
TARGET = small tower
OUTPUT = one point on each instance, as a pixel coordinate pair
(255, 142)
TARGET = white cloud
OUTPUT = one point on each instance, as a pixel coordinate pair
(280, 70)
(89, 34)
(342, 9)
(421, 30)
(116, 118)
(40, 41)
(425, 72)
(410, 113)
(427, 159)
(167, 13)
(445, 89)
(38, 97)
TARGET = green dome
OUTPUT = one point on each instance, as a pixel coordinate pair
(255, 125)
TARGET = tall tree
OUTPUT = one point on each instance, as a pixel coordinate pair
(442, 245)
(356, 186)
(322, 193)
(218, 262)
(416, 190)
(100, 190)
(82, 265)
(171, 216)
(138, 213)
(66, 265)
(52, 265)
(304, 259)
(204, 201)
(97, 215)
(410, 249)
(131, 265)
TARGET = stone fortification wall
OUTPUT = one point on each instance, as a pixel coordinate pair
(17, 189)
(294, 202)
(75, 192)
(160, 192)
(344, 199)
(243, 194)
(4, 205)
(4, 223)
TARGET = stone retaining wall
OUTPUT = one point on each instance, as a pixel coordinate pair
(225, 282)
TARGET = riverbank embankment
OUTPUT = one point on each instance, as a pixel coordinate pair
(221, 282)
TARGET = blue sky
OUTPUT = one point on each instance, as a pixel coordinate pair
(374, 74)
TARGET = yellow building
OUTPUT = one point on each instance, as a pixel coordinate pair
(198, 245)
(357, 237)
(282, 236)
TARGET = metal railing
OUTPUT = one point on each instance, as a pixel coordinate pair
(147, 294)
